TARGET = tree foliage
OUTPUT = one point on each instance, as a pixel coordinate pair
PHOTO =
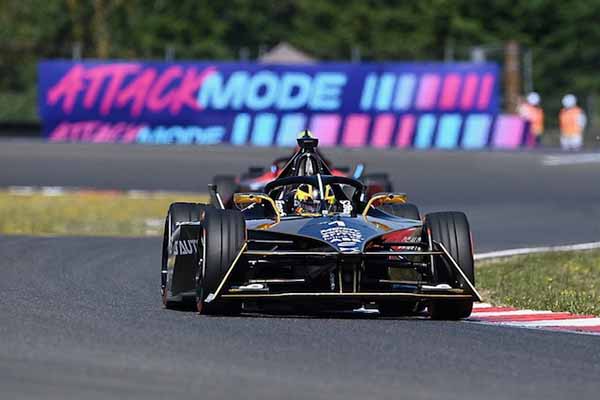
(562, 34)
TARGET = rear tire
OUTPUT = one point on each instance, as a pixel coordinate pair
(377, 182)
(178, 212)
(452, 230)
(253, 172)
(224, 232)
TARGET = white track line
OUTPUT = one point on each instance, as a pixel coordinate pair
(570, 159)
(532, 250)
(575, 322)
(52, 191)
(21, 190)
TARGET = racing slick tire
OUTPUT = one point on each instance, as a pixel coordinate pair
(226, 186)
(223, 234)
(452, 230)
(253, 172)
(406, 210)
(178, 212)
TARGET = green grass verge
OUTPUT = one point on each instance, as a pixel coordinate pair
(566, 281)
(111, 214)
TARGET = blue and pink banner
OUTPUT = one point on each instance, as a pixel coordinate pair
(404, 105)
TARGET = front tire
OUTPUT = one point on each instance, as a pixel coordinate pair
(223, 234)
(452, 230)
(178, 212)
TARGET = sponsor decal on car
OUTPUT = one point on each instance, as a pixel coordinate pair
(346, 238)
(184, 247)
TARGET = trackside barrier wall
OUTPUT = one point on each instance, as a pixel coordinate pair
(403, 105)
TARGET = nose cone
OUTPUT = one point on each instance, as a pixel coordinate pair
(346, 235)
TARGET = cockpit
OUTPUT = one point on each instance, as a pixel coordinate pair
(305, 187)
(315, 195)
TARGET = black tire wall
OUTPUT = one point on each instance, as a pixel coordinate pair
(178, 212)
(224, 235)
(452, 230)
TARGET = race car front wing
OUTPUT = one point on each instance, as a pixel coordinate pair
(420, 290)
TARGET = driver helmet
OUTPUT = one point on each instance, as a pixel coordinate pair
(307, 201)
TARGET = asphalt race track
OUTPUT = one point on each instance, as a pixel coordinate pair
(80, 317)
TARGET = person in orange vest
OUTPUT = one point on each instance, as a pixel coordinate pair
(532, 112)
(572, 121)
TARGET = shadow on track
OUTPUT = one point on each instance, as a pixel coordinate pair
(308, 313)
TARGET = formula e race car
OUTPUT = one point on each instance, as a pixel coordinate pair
(313, 242)
(256, 177)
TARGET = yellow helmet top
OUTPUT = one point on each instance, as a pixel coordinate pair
(305, 192)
